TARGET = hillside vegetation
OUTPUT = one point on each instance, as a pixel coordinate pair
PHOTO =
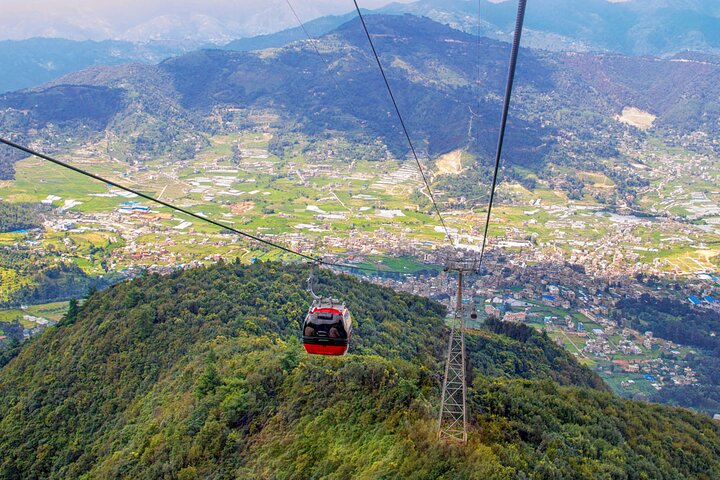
(678, 322)
(648, 27)
(18, 216)
(564, 110)
(28, 277)
(201, 375)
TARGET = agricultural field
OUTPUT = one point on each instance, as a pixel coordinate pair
(364, 211)
(682, 183)
(49, 311)
(655, 362)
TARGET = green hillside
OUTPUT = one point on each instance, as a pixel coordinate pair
(201, 375)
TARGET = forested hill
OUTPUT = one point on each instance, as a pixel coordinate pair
(201, 375)
(19, 216)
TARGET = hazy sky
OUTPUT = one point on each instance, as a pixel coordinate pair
(98, 19)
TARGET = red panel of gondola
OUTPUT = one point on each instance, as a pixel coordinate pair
(316, 349)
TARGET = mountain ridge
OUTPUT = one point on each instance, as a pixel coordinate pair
(639, 28)
(653, 28)
(200, 375)
(35, 61)
(431, 68)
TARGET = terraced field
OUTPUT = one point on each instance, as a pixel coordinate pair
(318, 201)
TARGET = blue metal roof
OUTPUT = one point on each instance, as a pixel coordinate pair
(694, 300)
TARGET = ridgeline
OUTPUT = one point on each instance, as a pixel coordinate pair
(201, 374)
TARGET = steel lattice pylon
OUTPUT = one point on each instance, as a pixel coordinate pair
(453, 412)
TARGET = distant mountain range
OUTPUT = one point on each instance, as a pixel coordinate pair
(34, 61)
(634, 27)
(564, 110)
(38, 60)
(565, 105)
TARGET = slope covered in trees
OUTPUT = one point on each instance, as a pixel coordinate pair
(686, 324)
(564, 110)
(201, 375)
(505, 349)
(30, 279)
(18, 216)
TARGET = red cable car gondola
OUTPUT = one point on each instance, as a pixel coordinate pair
(327, 328)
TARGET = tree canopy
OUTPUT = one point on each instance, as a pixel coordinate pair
(201, 374)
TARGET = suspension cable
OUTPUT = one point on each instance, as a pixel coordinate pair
(314, 260)
(503, 122)
(313, 42)
(402, 124)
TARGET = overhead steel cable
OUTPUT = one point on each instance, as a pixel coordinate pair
(313, 42)
(503, 121)
(402, 124)
(148, 197)
(250, 236)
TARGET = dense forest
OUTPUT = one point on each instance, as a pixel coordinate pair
(201, 375)
(703, 397)
(7, 168)
(31, 284)
(8, 156)
(505, 349)
(18, 216)
(33, 277)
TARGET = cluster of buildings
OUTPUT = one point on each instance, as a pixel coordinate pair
(526, 275)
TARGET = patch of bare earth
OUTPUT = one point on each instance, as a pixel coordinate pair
(636, 118)
(450, 163)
